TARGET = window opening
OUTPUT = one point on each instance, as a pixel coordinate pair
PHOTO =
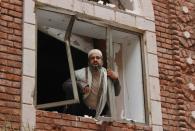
(121, 51)
(128, 63)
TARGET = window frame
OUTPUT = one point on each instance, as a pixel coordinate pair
(72, 74)
(109, 51)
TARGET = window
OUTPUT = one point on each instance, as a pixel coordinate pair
(56, 61)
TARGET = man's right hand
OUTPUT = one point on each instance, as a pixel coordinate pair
(86, 89)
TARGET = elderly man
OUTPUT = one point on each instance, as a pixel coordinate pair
(92, 82)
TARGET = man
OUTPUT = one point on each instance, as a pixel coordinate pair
(92, 82)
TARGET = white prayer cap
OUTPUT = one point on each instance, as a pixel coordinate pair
(94, 51)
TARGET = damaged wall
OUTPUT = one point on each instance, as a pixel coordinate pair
(176, 52)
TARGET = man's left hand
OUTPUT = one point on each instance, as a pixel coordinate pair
(113, 75)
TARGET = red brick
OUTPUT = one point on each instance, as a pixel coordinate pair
(14, 25)
(10, 111)
(17, 32)
(18, 20)
(94, 126)
(64, 128)
(16, 2)
(80, 124)
(4, 11)
(44, 126)
(10, 104)
(3, 35)
(3, 23)
(7, 18)
(14, 38)
(110, 128)
(10, 50)
(18, 8)
(15, 13)
(17, 45)
(61, 122)
(69, 117)
(10, 77)
(51, 115)
(7, 6)
(6, 29)
(8, 97)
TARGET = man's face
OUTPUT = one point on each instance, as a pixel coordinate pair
(95, 60)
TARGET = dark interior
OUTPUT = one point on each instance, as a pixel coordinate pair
(53, 69)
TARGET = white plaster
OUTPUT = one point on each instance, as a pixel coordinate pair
(189, 60)
(157, 128)
(156, 113)
(193, 114)
(185, 9)
(65, 4)
(126, 19)
(29, 33)
(147, 9)
(29, 14)
(28, 116)
(144, 24)
(28, 86)
(104, 13)
(154, 86)
(153, 65)
(186, 34)
(191, 86)
(150, 38)
(29, 62)
(84, 7)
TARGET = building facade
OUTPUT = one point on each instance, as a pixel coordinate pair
(151, 44)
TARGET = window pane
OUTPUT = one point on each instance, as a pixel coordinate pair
(52, 60)
(129, 65)
(86, 36)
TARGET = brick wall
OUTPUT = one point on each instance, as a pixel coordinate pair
(176, 55)
(48, 121)
(10, 61)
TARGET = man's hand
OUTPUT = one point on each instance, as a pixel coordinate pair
(113, 75)
(86, 89)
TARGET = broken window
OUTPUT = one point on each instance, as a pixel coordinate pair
(128, 62)
(57, 60)
(126, 5)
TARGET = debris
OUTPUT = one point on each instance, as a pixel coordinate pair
(127, 10)
(100, 2)
(110, 5)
